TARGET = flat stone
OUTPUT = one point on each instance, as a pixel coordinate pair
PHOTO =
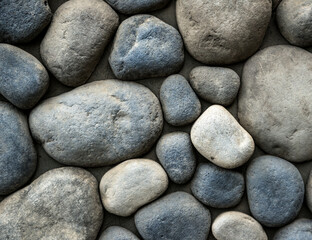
(300, 229)
(219, 138)
(99, 123)
(176, 216)
(179, 102)
(146, 47)
(62, 203)
(309, 191)
(222, 32)
(132, 184)
(117, 233)
(274, 101)
(217, 187)
(275, 190)
(76, 39)
(176, 155)
(215, 84)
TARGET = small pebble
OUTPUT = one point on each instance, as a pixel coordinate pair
(117, 233)
(300, 229)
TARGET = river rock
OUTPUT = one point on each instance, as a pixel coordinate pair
(222, 31)
(97, 124)
(117, 233)
(219, 138)
(146, 47)
(62, 203)
(176, 216)
(76, 39)
(309, 191)
(300, 229)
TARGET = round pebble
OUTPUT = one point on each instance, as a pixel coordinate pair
(117, 233)
(300, 229)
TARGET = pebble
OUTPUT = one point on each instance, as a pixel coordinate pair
(99, 123)
(179, 102)
(176, 155)
(275, 190)
(219, 138)
(117, 233)
(76, 39)
(176, 216)
(62, 203)
(309, 191)
(300, 229)
(146, 47)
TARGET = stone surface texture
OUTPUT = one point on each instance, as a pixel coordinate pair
(117, 233)
(300, 229)
(309, 191)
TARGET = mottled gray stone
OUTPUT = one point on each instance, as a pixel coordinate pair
(117, 233)
(176, 216)
(179, 102)
(300, 229)
(146, 47)
(309, 191)
(76, 39)
(275, 190)
(62, 204)
(221, 31)
(99, 123)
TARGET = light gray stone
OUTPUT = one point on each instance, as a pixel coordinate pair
(117, 233)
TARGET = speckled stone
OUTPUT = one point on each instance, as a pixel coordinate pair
(117, 233)
(300, 229)
(309, 191)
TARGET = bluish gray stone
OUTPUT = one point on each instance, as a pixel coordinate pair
(18, 157)
(176, 155)
(300, 229)
(309, 191)
(217, 187)
(275, 190)
(176, 216)
(117, 233)
(145, 47)
(180, 104)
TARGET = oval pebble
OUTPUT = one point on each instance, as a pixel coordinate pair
(117, 233)
(300, 229)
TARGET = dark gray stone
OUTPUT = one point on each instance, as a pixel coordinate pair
(146, 47)
(275, 3)
(309, 191)
(117, 233)
(300, 229)
(176, 216)
(275, 190)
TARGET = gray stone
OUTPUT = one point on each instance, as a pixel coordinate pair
(215, 84)
(176, 155)
(62, 203)
(146, 47)
(21, 21)
(117, 233)
(179, 102)
(221, 31)
(275, 3)
(219, 138)
(275, 190)
(274, 103)
(76, 39)
(23, 79)
(309, 191)
(301, 229)
(18, 157)
(176, 216)
(99, 123)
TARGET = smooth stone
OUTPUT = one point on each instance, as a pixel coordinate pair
(180, 104)
(99, 123)
(176, 155)
(237, 226)
(274, 101)
(62, 203)
(309, 191)
(146, 47)
(275, 190)
(76, 39)
(117, 233)
(176, 216)
(300, 229)
(18, 157)
(219, 138)
(222, 32)
(132, 184)
(21, 21)
(23, 79)
(215, 84)
(217, 187)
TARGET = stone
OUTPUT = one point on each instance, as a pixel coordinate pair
(23, 79)
(117, 233)
(217, 187)
(274, 101)
(76, 39)
(215, 84)
(18, 157)
(179, 102)
(98, 124)
(223, 32)
(176, 155)
(275, 190)
(17, 25)
(219, 138)
(237, 226)
(146, 47)
(309, 191)
(294, 19)
(132, 184)
(176, 216)
(62, 203)
(275, 3)
(300, 229)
